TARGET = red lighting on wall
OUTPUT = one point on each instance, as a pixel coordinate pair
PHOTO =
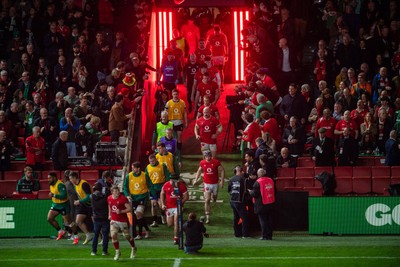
(164, 26)
(164, 33)
(238, 19)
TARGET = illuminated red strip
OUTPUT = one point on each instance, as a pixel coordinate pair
(165, 40)
(241, 62)
(170, 25)
(236, 37)
(160, 38)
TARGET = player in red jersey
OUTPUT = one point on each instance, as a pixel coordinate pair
(207, 103)
(206, 87)
(211, 168)
(170, 192)
(206, 130)
(218, 44)
(118, 207)
(202, 51)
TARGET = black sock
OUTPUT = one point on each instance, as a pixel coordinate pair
(179, 146)
(58, 228)
(155, 218)
(140, 225)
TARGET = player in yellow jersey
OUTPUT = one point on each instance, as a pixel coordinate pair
(158, 174)
(83, 205)
(60, 205)
(177, 115)
(163, 156)
(136, 189)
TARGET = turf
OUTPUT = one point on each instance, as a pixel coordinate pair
(221, 249)
(285, 250)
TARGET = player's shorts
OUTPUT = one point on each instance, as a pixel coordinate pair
(209, 147)
(171, 212)
(84, 210)
(211, 188)
(218, 60)
(156, 196)
(62, 208)
(178, 128)
(139, 206)
(116, 226)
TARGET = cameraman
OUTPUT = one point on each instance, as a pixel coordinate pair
(194, 231)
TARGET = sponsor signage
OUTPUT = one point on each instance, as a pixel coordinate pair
(354, 215)
(26, 218)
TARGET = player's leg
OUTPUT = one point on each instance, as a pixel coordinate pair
(215, 193)
(130, 239)
(163, 221)
(114, 229)
(154, 210)
(207, 202)
(51, 218)
(71, 225)
(213, 149)
(175, 222)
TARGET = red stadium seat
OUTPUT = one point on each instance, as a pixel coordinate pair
(17, 165)
(313, 191)
(13, 175)
(293, 189)
(304, 177)
(305, 162)
(379, 161)
(366, 161)
(91, 181)
(344, 182)
(89, 175)
(380, 179)
(44, 184)
(46, 173)
(44, 194)
(48, 166)
(286, 172)
(7, 188)
(395, 175)
(362, 179)
(282, 182)
(285, 178)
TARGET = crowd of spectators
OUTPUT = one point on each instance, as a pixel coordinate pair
(350, 96)
(62, 66)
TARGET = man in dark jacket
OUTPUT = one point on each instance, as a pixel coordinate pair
(322, 149)
(100, 218)
(293, 105)
(263, 194)
(236, 190)
(392, 149)
(194, 231)
(59, 153)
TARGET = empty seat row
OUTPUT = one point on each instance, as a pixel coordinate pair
(359, 179)
(361, 161)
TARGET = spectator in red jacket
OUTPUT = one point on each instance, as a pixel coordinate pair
(35, 150)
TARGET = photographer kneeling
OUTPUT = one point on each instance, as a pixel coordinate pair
(194, 231)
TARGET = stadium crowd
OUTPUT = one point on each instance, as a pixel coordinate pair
(72, 72)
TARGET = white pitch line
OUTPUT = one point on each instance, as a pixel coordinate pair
(209, 258)
(177, 262)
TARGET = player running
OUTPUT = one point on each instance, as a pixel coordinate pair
(60, 205)
(211, 167)
(118, 207)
